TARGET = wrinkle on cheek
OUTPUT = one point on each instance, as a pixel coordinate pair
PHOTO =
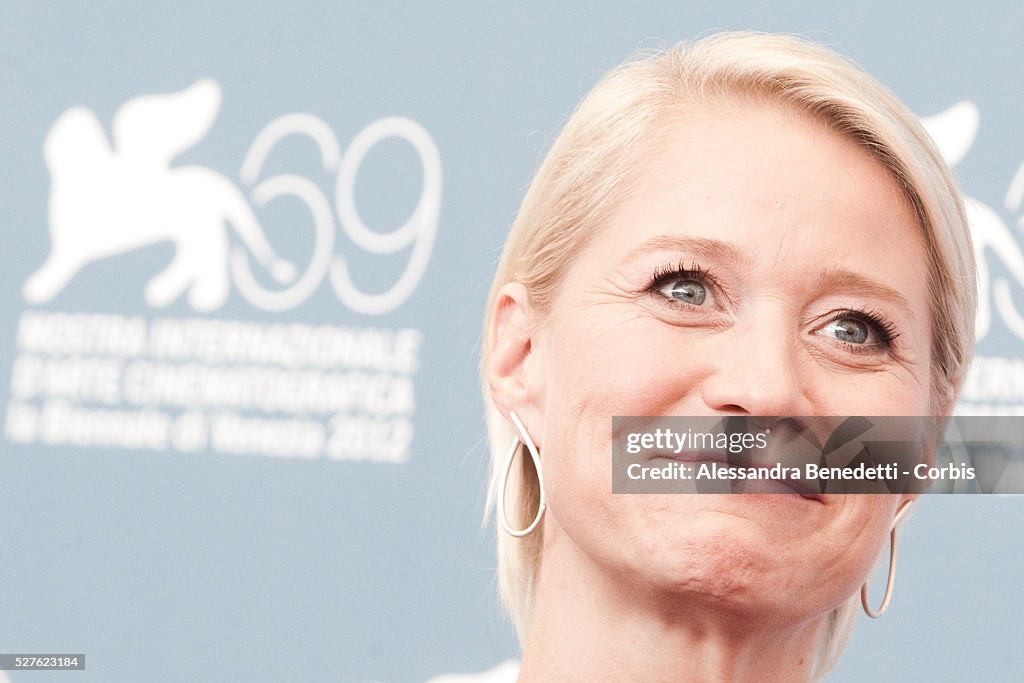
(886, 391)
(910, 383)
(862, 547)
(596, 314)
(589, 340)
(613, 287)
(916, 362)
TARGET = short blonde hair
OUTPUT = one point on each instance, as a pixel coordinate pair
(593, 164)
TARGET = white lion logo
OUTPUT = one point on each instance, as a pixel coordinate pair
(954, 131)
(107, 201)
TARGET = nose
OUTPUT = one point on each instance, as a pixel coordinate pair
(758, 370)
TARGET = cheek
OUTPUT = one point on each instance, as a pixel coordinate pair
(633, 367)
(596, 372)
(901, 392)
(593, 375)
(852, 542)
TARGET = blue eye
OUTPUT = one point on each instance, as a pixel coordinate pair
(685, 290)
(684, 286)
(850, 331)
(862, 330)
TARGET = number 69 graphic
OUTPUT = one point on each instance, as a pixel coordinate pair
(418, 231)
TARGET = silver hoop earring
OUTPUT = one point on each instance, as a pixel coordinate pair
(893, 533)
(522, 438)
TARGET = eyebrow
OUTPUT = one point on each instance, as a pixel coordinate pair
(845, 280)
(698, 246)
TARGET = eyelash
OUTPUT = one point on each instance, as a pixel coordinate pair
(884, 329)
(680, 271)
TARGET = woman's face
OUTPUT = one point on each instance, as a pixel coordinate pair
(763, 266)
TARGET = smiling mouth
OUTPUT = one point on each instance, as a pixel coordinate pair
(750, 478)
(779, 486)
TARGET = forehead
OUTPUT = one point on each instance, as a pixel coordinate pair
(775, 183)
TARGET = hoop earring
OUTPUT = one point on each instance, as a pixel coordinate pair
(522, 438)
(893, 533)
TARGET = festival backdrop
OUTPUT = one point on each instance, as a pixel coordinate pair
(246, 252)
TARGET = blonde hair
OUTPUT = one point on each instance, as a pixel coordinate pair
(592, 165)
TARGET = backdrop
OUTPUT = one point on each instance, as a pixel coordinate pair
(247, 248)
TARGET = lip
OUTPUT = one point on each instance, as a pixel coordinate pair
(783, 487)
(773, 486)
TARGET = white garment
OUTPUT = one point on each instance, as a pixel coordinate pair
(506, 672)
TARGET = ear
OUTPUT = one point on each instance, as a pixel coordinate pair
(511, 354)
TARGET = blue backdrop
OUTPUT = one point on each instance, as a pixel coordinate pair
(247, 251)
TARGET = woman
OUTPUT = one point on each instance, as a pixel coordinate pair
(748, 225)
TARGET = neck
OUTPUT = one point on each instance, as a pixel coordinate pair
(589, 625)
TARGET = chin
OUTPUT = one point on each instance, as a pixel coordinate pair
(726, 566)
